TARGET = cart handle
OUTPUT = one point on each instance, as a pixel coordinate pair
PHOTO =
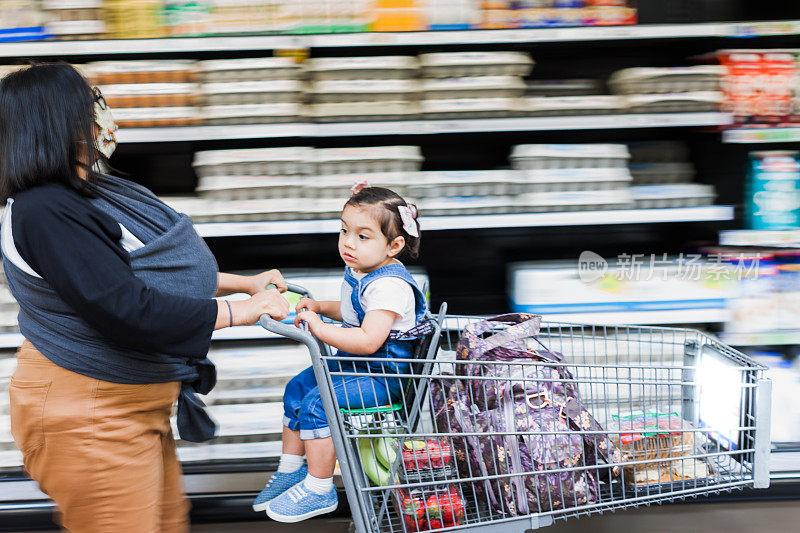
(289, 330)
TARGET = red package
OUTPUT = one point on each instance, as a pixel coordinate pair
(426, 454)
(425, 509)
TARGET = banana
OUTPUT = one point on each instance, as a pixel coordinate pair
(372, 468)
(385, 450)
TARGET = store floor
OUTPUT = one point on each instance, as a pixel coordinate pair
(739, 517)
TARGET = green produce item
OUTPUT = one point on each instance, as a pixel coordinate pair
(290, 297)
(376, 473)
(386, 450)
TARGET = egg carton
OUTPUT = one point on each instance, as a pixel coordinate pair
(667, 80)
(154, 117)
(363, 111)
(551, 156)
(195, 208)
(470, 108)
(252, 114)
(249, 69)
(565, 87)
(323, 209)
(255, 162)
(444, 183)
(576, 179)
(473, 87)
(253, 92)
(679, 195)
(660, 173)
(8, 319)
(152, 71)
(358, 68)
(334, 91)
(572, 105)
(339, 185)
(247, 394)
(151, 95)
(675, 102)
(470, 205)
(256, 210)
(588, 200)
(231, 188)
(367, 159)
(453, 64)
(76, 30)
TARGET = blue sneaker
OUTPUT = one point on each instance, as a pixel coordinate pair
(279, 483)
(298, 503)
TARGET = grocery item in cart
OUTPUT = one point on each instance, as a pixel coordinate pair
(252, 114)
(652, 436)
(667, 80)
(151, 94)
(451, 64)
(672, 195)
(150, 71)
(362, 68)
(430, 508)
(331, 91)
(554, 156)
(473, 87)
(253, 92)
(249, 69)
(674, 102)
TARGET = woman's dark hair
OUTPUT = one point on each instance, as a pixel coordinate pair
(46, 129)
(386, 203)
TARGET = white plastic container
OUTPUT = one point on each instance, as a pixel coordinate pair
(358, 68)
(331, 91)
(363, 111)
(450, 64)
(470, 107)
(369, 159)
(232, 188)
(576, 179)
(549, 156)
(252, 113)
(678, 195)
(338, 186)
(249, 69)
(587, 200)
(444, 183)
(469, 205)
(256, 210)
(253, 92)
(674, 102)
(667, 80)
(473, 87)
(254, 162)
(572, 105)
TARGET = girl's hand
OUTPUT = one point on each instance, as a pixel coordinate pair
(311, 318)
(307, 304)
(259, 282)
(263, 303)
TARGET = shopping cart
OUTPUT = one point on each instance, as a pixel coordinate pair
(690, 415)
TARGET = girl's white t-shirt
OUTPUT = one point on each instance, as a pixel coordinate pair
(385, 294)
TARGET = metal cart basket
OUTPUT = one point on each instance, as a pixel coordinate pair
(689, 415)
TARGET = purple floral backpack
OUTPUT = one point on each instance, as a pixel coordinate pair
(530, 415)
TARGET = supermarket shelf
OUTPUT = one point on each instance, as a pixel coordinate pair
(774, 338)
(272, 42)
(423, 127)
(677, 316)
(767, 238)
(461, 222)
(761, 135)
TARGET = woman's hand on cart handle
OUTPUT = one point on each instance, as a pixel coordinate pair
(271, 279)
(267, 302)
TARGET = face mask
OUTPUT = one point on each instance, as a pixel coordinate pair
(106, 141)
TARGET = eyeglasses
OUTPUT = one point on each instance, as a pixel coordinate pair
(98, 97)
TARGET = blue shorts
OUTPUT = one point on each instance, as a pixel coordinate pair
(302, 404)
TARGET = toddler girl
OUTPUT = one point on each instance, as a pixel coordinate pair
(380, 305)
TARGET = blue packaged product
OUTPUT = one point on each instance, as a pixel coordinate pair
(772, 199)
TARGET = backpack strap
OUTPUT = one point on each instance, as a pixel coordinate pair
(472, 346)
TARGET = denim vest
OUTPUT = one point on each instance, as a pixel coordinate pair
(399, 344)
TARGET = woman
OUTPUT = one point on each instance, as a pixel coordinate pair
(116, 305)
